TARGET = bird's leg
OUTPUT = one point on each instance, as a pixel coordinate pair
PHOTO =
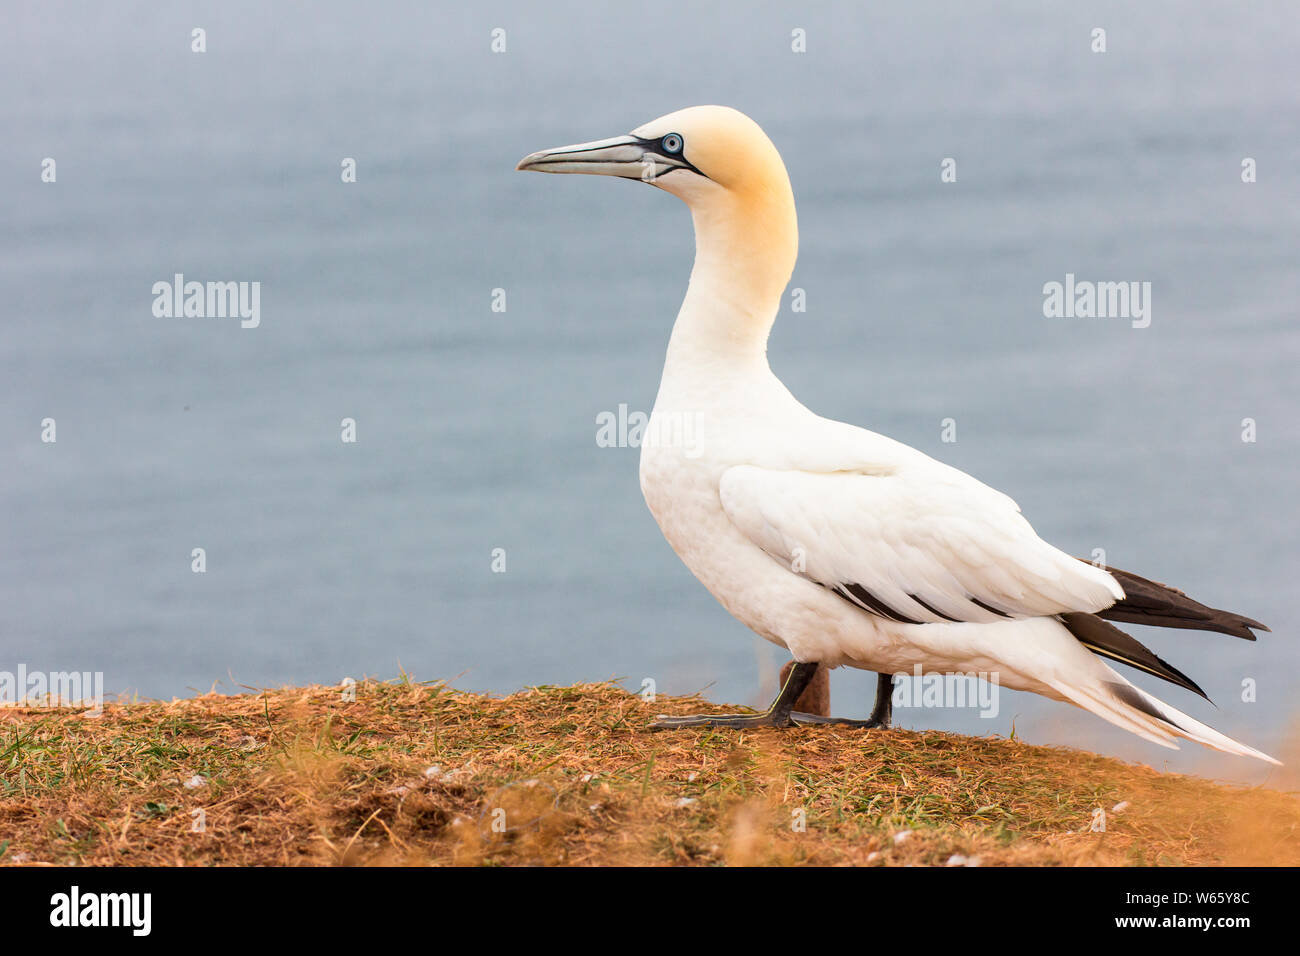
(778, 715)
(881, 714)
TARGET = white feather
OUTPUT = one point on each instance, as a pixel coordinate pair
(909, 535)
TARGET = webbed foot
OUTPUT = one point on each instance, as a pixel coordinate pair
(730, 721)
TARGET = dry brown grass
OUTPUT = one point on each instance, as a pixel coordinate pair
(415, 773)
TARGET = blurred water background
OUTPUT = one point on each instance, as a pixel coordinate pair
(476, 429)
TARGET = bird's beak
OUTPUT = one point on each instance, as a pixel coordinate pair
(627, 156)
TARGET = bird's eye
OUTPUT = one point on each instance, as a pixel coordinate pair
(672, 143)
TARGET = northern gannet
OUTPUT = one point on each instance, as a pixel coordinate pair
(842, 545)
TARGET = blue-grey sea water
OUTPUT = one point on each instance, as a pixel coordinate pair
(476, 429)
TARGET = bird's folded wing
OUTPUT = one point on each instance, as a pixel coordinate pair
(923, 546)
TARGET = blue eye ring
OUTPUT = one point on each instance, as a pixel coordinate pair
(672, 143)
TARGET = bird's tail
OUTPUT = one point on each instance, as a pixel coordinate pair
(1111, 697)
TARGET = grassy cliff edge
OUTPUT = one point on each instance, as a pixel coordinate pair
(418, 773)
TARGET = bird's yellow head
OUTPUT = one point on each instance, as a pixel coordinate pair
(693, 153)
(721, 163)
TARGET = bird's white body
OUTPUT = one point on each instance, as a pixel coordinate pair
(842, 545)
(725, 432)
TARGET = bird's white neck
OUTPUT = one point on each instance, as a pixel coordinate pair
(745, 251)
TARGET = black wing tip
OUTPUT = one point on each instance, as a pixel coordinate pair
(1232, 625)
(1238, 628)
(1106, 640)
(1237, 625)
(1189, 684)
(1178, 678)
(1150, 602)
